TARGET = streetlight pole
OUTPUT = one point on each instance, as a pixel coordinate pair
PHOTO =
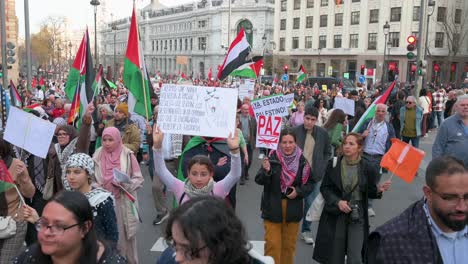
(430, 11)
(114, 27)
(386, 29)
(204, 57)
(28, 44)
(165, 60)
(95, 4)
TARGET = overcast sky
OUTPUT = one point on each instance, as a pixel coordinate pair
(80, 12)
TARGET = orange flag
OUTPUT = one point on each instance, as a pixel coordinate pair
(403, 160)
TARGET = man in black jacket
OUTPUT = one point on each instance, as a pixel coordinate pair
(316, 148)
(432, 230)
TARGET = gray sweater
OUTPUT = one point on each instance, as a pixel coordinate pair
(452, 139)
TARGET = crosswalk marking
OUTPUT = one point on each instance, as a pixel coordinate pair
(161, 245)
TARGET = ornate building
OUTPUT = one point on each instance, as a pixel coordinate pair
(190, 38)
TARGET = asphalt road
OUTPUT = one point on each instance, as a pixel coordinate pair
(394, 201)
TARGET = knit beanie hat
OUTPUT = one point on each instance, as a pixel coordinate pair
(122, 107)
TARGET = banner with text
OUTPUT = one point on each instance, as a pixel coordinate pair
(197, 110)
(246, 88)
(268, 131)
(276, 105)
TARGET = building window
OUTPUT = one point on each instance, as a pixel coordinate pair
(201, 43)
(439, 40)
(175, 44)
(310, 3)
(323, 20)
(309, 21)
(201, 23)
(284, 3)
(296, 23)
(282, 44)
(416, 10)
(353, 41)
(283, 24)
(297, 4)
(355, 18)
(323, 2)
(372, 41)
(295, 42)
(395, 14)
(191, 44)
(441, 13)
(339, 19)
(322, 42)
(308, 42)
(458, 16)
(374, 16)
(170, 44)
(337, 41)
(356, 1)
(180, 44)
(152, 45)
(394, 39)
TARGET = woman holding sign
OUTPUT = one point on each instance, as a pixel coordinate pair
(285, 178)
(111, 159)
(200, 172)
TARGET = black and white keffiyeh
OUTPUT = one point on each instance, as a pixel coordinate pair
(81, 160)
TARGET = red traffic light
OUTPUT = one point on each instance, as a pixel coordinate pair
(286, 67)
(411, 39)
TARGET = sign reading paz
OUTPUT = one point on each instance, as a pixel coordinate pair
(197, 110)
(268, 131)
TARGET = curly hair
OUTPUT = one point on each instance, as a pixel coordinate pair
(208, 220)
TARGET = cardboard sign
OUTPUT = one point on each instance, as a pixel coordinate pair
(246, 89)
(276, 105)
(197, 110)
(345, 104)
(29, 132)
(268, 131)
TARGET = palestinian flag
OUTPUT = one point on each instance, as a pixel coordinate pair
(97, 82)
(250, 69)
(301, 74)
(79, 88)
(109, 84)
(237, 55)
(6, 182)
(15, 95)
(135, 76)
(42, 84)
(370, 112)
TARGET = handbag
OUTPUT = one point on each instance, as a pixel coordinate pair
(48, 191)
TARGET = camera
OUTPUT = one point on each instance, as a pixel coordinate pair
(355, 215)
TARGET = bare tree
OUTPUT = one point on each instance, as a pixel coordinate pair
(455, 25)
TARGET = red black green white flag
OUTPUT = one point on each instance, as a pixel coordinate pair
(238, 53)
(135, 75)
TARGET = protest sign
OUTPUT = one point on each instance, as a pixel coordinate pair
(268, 131)
(345, 104)
(29, 132)
(246, 89)
(276, 105)
(197, 110)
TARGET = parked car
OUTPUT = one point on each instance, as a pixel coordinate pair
(347, 85)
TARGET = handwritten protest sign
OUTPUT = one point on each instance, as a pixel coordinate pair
(268, 131)
(197, 110)
(345, 104)
(29, 132)
(276, 105)
(246, 89)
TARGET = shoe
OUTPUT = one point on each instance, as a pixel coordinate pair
(261, 156)
(307, 237)
(371, 212)
(160, 218)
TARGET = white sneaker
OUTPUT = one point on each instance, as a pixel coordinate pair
(371, 212)
(307, 237)
(261, 156)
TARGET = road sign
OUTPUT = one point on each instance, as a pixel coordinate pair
(330, 70)
(362, 79)
(346, 75)
(285, 77)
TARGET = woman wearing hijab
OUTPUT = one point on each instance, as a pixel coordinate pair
(69, 142)
(113, 157)
(285, 178)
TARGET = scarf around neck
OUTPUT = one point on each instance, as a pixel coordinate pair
(63, 156)
(193, 192)
(110, 159)
(290, 167)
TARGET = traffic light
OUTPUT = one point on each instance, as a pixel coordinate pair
(411, 47)
(422, 67)
(363, 68)
(285, 68)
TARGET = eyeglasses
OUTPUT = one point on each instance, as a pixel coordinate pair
(452, 199)
(61, 134)
(54, 229)
(408, 102)
(188, 252)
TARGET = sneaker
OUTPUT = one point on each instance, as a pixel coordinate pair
(261, 156)
(307, 237)
(160, 218)
(371, 212)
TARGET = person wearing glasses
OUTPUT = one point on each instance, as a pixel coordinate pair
(66, 234)
(206, 230)
(433, 229)
(411, 117)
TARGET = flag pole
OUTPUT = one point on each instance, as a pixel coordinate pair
(144, 95)
(143, 67)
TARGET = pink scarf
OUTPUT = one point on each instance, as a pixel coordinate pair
(110, 159)
(289, 168)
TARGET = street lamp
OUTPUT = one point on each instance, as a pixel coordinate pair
(386, 29)
(114, 28)
(203, 46)
(95, 4)
(430, 12)
(165, 60)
